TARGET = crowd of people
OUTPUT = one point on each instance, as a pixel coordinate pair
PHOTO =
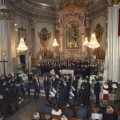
(60, 88)
(81, 68)
(81, 113)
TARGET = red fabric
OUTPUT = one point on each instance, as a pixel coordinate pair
(105, 96)
(119, 24)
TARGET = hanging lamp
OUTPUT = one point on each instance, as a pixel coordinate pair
(22, 46)
(93, 42)
(86, 41)
(55, 44)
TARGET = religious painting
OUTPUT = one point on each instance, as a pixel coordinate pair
(44, 37)
(72, 35)
(22, 33)
(99, 32)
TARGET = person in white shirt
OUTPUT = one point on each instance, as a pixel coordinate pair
(97, 114)
(56, 111)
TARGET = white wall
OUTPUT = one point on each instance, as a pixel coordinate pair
(25, 25)
(39, 26)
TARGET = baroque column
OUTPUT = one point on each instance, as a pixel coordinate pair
(32, 36)
(7, 37)
(113, 58)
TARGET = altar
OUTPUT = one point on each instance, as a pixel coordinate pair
(64, 71)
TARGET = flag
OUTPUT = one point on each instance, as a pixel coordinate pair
(119, 24)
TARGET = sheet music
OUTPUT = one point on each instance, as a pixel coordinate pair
(52, 94)
(72, 88)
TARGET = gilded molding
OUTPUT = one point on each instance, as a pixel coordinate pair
(65, 3)
(72, 13)
(32, 23)
(6, 14)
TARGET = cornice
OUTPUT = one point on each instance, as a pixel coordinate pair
(97, 9)
(6, 14)
(37, 14)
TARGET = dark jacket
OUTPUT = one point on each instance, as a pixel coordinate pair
(112, 116)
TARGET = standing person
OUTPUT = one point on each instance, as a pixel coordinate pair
(97, 91)
(54, 82)
(46, 86)
(74, 85)
(81, 95)
(87, 90)
(57, 69)
(63, 93)
(36, 86)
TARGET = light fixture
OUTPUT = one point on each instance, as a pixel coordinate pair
(86, 41)
(22, 46)
(55, 44)
(3, 53)
(93, 42)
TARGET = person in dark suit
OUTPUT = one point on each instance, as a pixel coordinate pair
(54, 83)
(75, 84)
(63, 93)
(68, 111)
(97, 91)
(56, 69)
(36, 85)
(81, 95)
(110, 114)
(87, 90)
(46, 86)
(45, 109)
(82, 112)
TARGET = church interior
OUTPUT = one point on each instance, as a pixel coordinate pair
(63, 38)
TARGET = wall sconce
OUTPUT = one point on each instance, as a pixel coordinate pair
(86, 41)
(3, 53)
(55, 44)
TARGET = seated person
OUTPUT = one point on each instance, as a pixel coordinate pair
(110, 114)
(68, 111)
(82, 112)
(63, 117)
(97, 114)
(48, 117)
(56, 111)
(45, 109)
(36, 116)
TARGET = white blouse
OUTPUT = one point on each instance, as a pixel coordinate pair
(59, 112)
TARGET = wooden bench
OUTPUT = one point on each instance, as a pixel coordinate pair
(11, 100)
(62, 107)
(57, 117)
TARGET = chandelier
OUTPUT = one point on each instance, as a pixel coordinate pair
(55, 44)
(93, 42)
(22, 46)
(86, 41)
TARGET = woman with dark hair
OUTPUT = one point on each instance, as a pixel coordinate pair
(110, 114)
(56, 110)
